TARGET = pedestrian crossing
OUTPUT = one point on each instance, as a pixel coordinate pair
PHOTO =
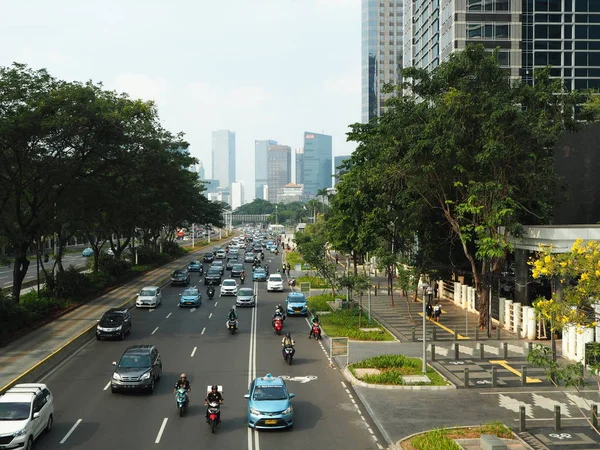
(541, 404)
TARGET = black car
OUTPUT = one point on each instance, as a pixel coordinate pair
(213, 276)
(208, 257)
(139, 368)
(237, 270)
(181, 277)
(114, 323)
(219, 265)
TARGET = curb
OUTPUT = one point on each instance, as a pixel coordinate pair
(356, 382)
(59, 355)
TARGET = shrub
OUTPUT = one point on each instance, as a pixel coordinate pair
(315, 282)
(113, 266)
(319, 302)
(173, 249)
(147, 255)
(69, 284)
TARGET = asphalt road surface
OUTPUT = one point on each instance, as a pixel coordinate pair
(70, 259)
(88, 416)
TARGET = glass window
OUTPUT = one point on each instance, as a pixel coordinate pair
(501, 5)
(504, 58)
(581, 31)
(568, 32)
(555, 5)
(594, 45)
(581, 59)
(568, 60)
(541, 31)
(594, 59)
(488, 5)
(554, 72)
(581, 5)
(554, 45)
(554, 18)
(568, 17)
(594, 31)
(541, 45)
(567, 71)
(554, 31)
(580, 84)
(568, 5)
(594, 72)
(474, 5)
(488, 31)
(501, 31)
(593, 83)
(541, 59)
(541, 5)
(554, 58)
(474, 30)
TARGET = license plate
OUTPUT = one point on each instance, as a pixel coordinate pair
(188, 303)
(270, 422)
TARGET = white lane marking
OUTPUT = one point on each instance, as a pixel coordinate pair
(160, 432)
(107, 386)
(370, 430)
(70, 431)
(210, 315)
(379, 446)
(216, 303)
(169, 315)
(343, 384)
(193, 309)
(154, 330)
(203, 330)
(374, 438)
(150, 309)
(193, 352)
(252, 365)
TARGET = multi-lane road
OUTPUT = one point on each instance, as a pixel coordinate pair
(195, 341)
(70, 259)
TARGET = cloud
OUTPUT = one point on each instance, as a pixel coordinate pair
(345, 85)
(141, 86)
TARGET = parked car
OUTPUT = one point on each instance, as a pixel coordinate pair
(149, 297)
(295, 304)
(26, 411)
(139, 368)
(114, 323)
(269, 404)
(180, 277)
(245, 297)
(275, 283)
(190, 297)
(208, 257)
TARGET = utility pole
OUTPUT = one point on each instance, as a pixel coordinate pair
(193, 235)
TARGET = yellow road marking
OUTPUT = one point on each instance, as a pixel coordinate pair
(515, 371)
(445, 328)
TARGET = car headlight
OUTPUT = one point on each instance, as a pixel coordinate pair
(146, 376)
(20, 432)
(287, 411)
(254, 412)
(116, 376)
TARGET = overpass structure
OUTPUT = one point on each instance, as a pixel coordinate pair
(231, 219)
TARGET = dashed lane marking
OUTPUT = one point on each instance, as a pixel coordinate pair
(169, 315)
(203, 330)
(216, 303)
(155, 330)
(193, 352)
(70, 432)
(210, 315)
(107, 386)
(161, 430)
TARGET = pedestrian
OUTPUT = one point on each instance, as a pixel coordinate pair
(435, 290)
(288, 269)
(284, 268)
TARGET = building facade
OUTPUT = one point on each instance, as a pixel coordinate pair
(317, 163)
(381, 53)
(260, 165)
(279, 169)
(211, 186)
(337, 162)
(299, 166)
(223, 157)
(291, 193)
(237, 194)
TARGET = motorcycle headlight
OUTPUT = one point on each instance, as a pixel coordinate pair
(146, 376)
(116, 376)
(254, 412)
(287, 411)
(20, 432)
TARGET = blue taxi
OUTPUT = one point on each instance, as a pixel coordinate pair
(269, 404)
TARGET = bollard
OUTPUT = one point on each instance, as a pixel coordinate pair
(482, 351)
(456, 349)
(476, 333)
(595, 415)
(434, 334)
(433, 352)
(455, 336)
(498, 332)
(556, 417)
(466, 377)
(494, 376)
(518, 331)
(523, 375)
(506, 350)
(414, 337)
(529, 347)
(522, 426)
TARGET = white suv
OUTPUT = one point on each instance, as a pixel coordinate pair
(275, 283)
(229, 287)
(26, 410)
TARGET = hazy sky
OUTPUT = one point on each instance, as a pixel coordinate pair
(266, 69)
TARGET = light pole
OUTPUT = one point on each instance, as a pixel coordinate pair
(424, 369)
(193, 235)
(276, 216)
(369, 294)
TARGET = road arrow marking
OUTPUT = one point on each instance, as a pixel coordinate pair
(515, 371)
(513, 404)
(548, 403)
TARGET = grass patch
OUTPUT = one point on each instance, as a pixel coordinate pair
(315, 282)
(443, 439)
(393, 367)
(293, 258)
(319, 302)
(346, 323)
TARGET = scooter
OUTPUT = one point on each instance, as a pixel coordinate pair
(289, 351)
(210, 292)
(232, 325)
(278, 325)
(182, 400)
(213, 415)
(242, 278)
(316, 331)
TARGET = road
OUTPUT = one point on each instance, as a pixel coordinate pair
(196, 341)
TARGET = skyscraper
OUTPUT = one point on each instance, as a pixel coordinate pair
(564, 34)
(299, 163)
(317, 163)
(382, 36)
(237, 194)
(279, 169)
(223, 157)
(337, 162)
(260, 165)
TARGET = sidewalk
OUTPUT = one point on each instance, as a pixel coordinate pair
(26, 351)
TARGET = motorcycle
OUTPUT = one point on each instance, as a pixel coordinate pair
(292, 282)
(182, 400)
(316, 331)
(213, 415)
(278, 325)
(242, 278)
(289, 350)
(232, 325)
(210, 293)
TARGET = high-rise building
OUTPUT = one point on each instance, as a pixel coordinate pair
(223, 157)
(382, 36)
(200, 170)
(279, 169)
(237, 194)
(317, 162)
(337, 162)
(564, 34)
(299, 166)
(211, 186)
(260, 165)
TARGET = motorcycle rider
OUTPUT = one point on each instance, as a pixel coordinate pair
(214, 396)
(210, 291)
(279, 314)
(183, 383)
(242, 277)
(232, 316)
(287, 341)
(314, 321)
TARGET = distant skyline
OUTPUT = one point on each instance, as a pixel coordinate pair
(208, 65)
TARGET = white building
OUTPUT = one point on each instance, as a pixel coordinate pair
(291, 193)
(265, 191)
(237, 194)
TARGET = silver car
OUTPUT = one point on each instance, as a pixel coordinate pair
(245, 297)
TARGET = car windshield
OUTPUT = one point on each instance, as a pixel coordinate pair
(111, 318)
(238, 267)
(218, 263)
(214, 271)
(190, 292)
(229, 283)
(269, 393)
(148, 293)
(275, 278)
(179, 272)
(208, 254)
(245, 292)
(134, 362)
(14, 411)
(259, 270)
(299, 299)
(249, 255)
(194, 263)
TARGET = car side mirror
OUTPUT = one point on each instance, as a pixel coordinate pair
(114, 363)
(36, 415)
(247, 396)
(292, 395)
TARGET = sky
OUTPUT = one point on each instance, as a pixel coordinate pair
(266, 69)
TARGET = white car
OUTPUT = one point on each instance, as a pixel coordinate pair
(229, 287)
(221, 254)
(275, 283)
(26, 410)
(149, 297)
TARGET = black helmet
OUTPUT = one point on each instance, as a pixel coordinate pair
(288, 335)
(214, 388)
